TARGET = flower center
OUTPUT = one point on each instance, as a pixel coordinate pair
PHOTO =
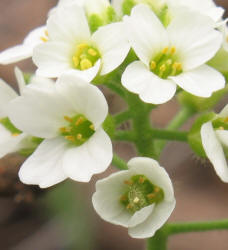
(78, 130)
(85, 56)
(166, 63)
(9, 126)
(140, 193)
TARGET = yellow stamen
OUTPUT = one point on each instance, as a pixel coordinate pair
(92, 52)
(85, 64)
(46, 33)
(169, 62)
(82, 46)
(129, 206)
(70, 138)
(177, 66)
(123, 198)
(221, 128)
(141, 180)
(163, 68)
(173, 50)
(79, 121)
(79, 136)
(153, 65)
(92, 127)
(226, 120)
(136, 200)
(157, 189)
(15, 134)
(128, 182)
(44, 39)
(68, 119)
(165, 50)
(76, 61)
(151, 196)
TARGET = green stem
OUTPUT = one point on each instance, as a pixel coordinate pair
(122, 117)
(119, 163)
(177, 228)
(163, 134)
(124, 136)
(117, 88)
(159, 241)
(182, 116)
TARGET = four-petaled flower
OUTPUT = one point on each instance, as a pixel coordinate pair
(140, 199)
(69, 117)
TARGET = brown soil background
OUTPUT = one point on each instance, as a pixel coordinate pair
(25, 223)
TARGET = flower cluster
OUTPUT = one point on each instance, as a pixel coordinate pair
(155, 48)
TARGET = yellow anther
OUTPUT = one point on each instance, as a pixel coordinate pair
(153, 65)
(141, 180)
(85, 64)
(177, 66)
(128, 182)
(92, 52)
(163, 68)
(221, 128)
(165, 50)
(79, 136)
(44, 39)
(79, 121)
(83, 56)
(82, 46)
(173, 50)
(65, 130)
(136, 200)
(15, 134)
(92, 127)
(76, 61)
(68, 119)
(129, 206)
(151, 196)
(46, 33)
(226, 119)
(157, 189)
(70, 138)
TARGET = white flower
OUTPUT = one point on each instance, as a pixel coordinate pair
(214, 135)
(24, 50)
(172, 56)
(11, 139)
(69, 116)
(141, 198)
(72, 46)
(205, 7)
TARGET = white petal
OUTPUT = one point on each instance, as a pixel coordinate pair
(156, 220)
(202, 81)
(68, 24)
(214, 151)
(52, 58)
(23, 51)
(138, 79)
(20, 79)
(96, 7)
(84, 97)
(141, 215)
(156, 174)
(6, 95)
(39, 112)
(146, 33)
(106, 199)
(112, 44)
(44, 166)
(195, 39)
(223, 136)
(93, 157)
(8, 142)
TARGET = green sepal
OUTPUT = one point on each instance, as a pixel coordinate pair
(32, 144)
(95, 21)
(194, 136)
(27, 77)
(200, 104)
(127, 6)
(9, 126)
(109, 125)
(220, 61)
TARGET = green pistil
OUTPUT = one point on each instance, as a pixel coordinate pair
(85, 57)
(140, 193)
(9, 126)
(166, 64)
(78, 130)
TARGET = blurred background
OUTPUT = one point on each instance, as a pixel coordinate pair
(62, 217)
